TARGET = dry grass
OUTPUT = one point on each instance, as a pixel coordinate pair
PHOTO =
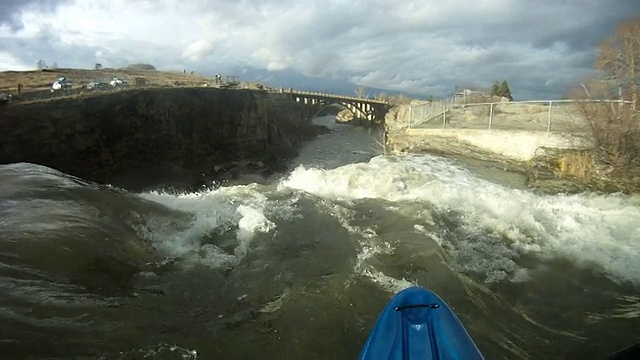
(506, 115)
(41, 80)
(616, 133)
(580, 165)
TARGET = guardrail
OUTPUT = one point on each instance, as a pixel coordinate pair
(535, 115)
(326, 95)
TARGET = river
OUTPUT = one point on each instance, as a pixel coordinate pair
(301, 266)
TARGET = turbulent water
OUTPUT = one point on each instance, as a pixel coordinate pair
(300, 268)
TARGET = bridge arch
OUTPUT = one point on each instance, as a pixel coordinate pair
(354, 110)
(365, 109)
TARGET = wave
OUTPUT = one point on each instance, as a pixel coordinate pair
(485, 227)
(224, 221)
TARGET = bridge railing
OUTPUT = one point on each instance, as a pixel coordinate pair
(326, 95)
(542, 115)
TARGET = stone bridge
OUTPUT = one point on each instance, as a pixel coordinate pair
(368, 109)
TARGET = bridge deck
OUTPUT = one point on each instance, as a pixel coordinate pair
(314, 94)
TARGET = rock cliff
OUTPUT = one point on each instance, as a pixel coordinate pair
(148, 137)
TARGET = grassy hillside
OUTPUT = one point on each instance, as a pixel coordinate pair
(42, 79)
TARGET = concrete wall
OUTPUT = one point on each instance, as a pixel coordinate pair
(518, 145)
(515, 144)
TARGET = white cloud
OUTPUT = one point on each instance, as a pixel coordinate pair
(198, 50)
(421, 46)
(10, 62)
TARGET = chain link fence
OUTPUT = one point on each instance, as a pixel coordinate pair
(549, 116)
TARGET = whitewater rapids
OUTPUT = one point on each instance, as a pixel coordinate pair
(301, 267)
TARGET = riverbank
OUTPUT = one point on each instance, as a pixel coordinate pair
(574, 171)
(551, 162)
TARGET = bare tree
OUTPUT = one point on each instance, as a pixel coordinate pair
(619, 57)
(613, 126)
(399, 99)
(360, 91)
(41, 64)
(383, 96)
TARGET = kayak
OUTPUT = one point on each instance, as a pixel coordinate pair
(417, 325)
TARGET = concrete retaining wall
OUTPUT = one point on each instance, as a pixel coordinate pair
(514, 145)
(518, 145)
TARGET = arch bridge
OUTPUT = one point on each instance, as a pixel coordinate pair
(372, 110)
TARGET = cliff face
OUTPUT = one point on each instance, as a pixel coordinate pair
(151, 136)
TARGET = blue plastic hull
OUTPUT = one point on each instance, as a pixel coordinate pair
(418, 325)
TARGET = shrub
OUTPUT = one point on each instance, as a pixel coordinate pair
(613, 127)
(140, 67)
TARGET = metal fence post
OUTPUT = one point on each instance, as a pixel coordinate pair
(444, 117)
(549, 119)
(410, 116)
(490, 115)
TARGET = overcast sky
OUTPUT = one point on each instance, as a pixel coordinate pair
(541, 47)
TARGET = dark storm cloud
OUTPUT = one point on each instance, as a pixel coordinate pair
(589, 23)
(10, 10)
(420, 47)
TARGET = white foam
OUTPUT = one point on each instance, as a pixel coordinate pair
(252, 221)
(212, 213)
(364, 268)
(369, 248)
(211, 256)
(496, 225)
(493, 226)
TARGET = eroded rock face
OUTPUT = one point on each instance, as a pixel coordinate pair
(147, 137)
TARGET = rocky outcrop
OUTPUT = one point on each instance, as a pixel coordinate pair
(147, 137)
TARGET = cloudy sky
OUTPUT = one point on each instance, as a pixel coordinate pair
(422, 47)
